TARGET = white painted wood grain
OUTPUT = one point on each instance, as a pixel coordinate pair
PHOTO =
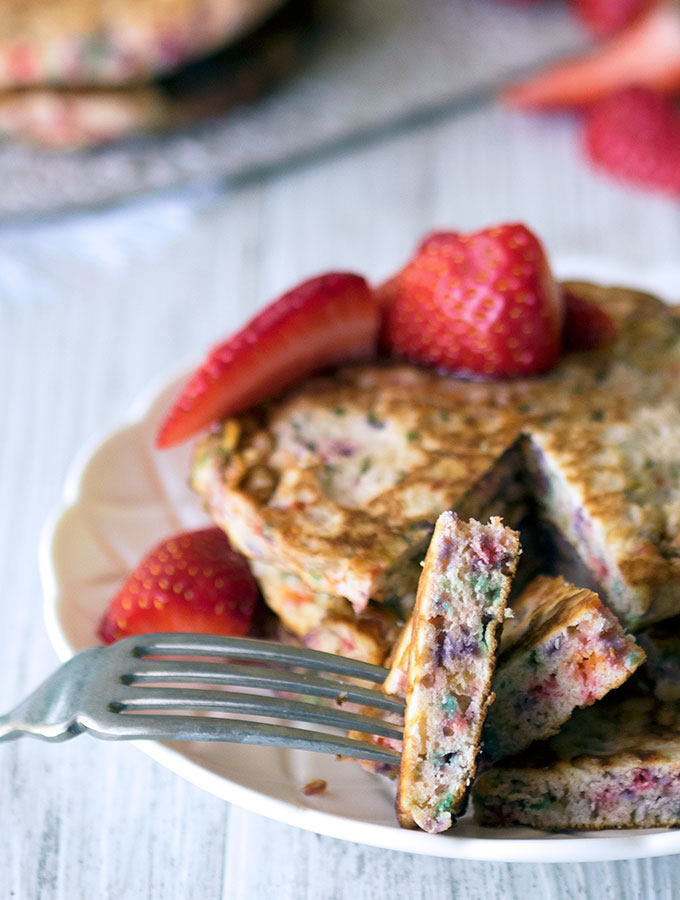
(268, 859)
(90, 311)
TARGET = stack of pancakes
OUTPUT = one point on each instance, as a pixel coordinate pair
(333, 490)
(83, 72)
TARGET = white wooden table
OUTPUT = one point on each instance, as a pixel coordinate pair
(92, 309)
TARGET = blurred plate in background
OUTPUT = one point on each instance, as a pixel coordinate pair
(320, 74)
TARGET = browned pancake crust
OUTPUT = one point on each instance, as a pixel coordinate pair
(616, 497)
(544, 609)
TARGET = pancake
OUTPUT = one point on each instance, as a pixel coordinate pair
(69, 117)
(111, 42)
(614, 765)
(561, 650)
(459, 609)
(612, 489)
(328, 623)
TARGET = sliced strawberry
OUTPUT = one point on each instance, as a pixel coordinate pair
(322, 322)
(586, 326)
(480, 304)
(635, 135)
(605, 17)
(646, 53)
(194, 582)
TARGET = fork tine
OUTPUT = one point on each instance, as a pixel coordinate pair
(175, 644)
(273, 707)
(96, 692)
(191, 728)
(149, 671)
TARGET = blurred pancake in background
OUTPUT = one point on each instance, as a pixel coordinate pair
(70, 118)
(95, 42)
(70, 115)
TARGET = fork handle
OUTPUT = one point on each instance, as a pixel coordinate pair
(8, 731)
(12, 730)
(51, 712)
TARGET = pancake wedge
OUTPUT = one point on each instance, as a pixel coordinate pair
(460, 605)
(612, 489)
(561, 650)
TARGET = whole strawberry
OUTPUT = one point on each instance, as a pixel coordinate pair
(193, 582)
(635, 135)
(482, 304)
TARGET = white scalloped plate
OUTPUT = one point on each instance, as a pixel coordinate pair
(120, 498)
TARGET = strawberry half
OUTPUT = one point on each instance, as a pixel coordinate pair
(479, 304)
(193, 582)
(635, 135)
(586, 325)
(323, 322)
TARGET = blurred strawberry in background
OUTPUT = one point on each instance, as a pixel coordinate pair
(635, 133)
(627, 86)
(605, 17)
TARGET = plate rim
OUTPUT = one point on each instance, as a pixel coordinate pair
(557, 849)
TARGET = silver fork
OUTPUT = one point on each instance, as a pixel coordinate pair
(129, 691)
